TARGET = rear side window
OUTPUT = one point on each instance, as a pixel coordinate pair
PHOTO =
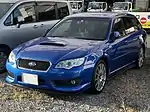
(46, 11)
(131, 24)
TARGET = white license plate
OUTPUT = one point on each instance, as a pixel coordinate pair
(30, 79)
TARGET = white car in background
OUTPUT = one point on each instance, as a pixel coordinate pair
(77, 6)
(24, 20)
(97, 7)
(122, 7)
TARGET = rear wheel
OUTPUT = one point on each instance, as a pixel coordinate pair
(141, 58)
(3, 59)
(99, 78)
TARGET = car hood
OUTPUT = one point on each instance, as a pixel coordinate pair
(56, 49)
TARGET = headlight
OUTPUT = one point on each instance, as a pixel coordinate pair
(68, 64)
(12, 58)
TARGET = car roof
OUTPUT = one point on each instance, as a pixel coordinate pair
(8, 1)
(100, 15)
(14, 1)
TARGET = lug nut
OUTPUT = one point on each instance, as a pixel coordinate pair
(73, 82)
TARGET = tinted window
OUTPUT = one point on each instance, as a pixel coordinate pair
(83, 28)
(74, 5)
(25, 13)
(4, 7)
(79, 5)
(104, 6)
(46, 11)
(119, 26)
(51, 11)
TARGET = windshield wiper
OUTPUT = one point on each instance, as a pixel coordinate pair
(76, 37)
(57, 36)
(87, 38)
(64, 36)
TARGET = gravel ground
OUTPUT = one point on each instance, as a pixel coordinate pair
(129, 91)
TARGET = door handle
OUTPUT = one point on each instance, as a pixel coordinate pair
(35, 26)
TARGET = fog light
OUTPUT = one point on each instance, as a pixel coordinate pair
(67, 83)
(11, 75)
(73, 82)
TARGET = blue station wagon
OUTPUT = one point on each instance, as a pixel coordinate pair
(79, 53)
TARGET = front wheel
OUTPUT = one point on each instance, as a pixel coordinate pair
(99, 78)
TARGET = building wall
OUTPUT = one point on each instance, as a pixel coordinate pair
(142, 4)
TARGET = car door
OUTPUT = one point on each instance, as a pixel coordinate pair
(49, 13)
(118, 48)
(21, 25)
(133, 33)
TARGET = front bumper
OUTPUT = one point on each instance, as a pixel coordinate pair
(74, 80)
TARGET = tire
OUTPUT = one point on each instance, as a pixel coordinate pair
(141, 58)
(3, 59)
(99, 78)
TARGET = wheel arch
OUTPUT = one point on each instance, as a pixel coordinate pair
(144, 48)
(5, 47)
(105, 59)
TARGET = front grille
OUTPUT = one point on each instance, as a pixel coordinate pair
(33, 65)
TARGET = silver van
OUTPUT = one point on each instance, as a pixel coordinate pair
(23, 20)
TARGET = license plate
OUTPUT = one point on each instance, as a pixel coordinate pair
(30, 79)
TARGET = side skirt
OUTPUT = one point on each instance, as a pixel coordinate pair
(125, 67)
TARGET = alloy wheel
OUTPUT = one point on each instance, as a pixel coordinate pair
(100, 76)
(141, 58)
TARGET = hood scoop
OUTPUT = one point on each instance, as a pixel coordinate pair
(54, 43)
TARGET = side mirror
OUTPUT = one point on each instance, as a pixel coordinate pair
(115, 35)
(20, 21)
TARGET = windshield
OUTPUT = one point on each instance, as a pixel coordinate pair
(4, 7)
(82, 28)
(95, 5)
(120, 6)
